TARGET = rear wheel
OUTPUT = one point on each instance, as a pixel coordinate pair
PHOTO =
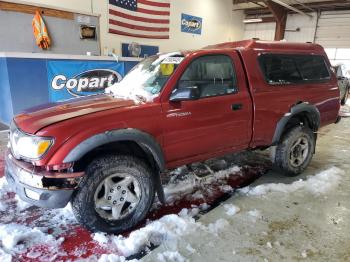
(294, 152)
(115, 194)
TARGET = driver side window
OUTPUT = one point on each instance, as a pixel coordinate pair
(213, 75)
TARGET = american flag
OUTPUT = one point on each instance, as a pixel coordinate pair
(140, 18)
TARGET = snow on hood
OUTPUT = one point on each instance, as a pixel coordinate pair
(131, 85)
(123, 91)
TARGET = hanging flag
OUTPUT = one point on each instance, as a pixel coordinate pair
(140, 18)
(40, 32)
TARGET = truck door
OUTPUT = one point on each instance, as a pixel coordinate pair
(219, 119)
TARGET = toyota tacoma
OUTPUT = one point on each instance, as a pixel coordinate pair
(106, 153)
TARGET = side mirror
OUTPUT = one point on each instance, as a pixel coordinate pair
(185, 94)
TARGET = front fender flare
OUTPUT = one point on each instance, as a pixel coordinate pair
(144, 140)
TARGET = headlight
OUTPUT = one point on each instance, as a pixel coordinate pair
(29, 146)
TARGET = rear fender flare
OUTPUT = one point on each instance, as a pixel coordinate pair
(313, 115)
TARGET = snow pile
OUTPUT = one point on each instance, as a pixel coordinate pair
(231, 210)
(167, 230)
(21, 205)
(17, 238)
(185, 212)
(113, 258)
(4, 186)
(318, 184)
(177, 188)
(2, 207)
(254, 215)
(218, 226)
(170, 256)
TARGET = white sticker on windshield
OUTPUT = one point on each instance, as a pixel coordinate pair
(172, 60)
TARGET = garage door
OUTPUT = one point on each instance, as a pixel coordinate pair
(263, 31)
(333, 29)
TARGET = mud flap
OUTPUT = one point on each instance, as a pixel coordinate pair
(159, 188)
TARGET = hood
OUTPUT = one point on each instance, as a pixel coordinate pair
(34, 119)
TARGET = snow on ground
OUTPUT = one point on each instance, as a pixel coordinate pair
(16, 238)
(168, 231)
(170, 256)
(317, 184)
(20, 231)
(231, 210)
(17, 235)
(189, 183)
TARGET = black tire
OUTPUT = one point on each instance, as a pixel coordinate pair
(345, 98)
(281, 155)
(83, 201)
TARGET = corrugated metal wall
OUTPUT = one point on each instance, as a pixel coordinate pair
(333, 29)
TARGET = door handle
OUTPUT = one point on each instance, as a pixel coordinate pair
(236, 107)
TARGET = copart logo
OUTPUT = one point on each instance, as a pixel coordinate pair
(192, 25)
(92, 81)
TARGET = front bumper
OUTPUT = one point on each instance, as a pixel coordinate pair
(43, 189)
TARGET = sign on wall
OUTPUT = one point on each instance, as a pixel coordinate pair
(146, 50)
(69, 79)
(191, 24)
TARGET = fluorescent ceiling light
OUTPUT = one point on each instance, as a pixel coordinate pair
(252, 20)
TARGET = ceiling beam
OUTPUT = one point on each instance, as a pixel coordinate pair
(303, 5)
(280, 14)
(279, 2)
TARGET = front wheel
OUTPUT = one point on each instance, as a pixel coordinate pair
(294, 152)
(115, 194)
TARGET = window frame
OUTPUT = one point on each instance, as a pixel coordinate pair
(303, 81)
(236, 89)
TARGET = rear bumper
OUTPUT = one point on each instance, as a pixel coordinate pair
(30, 184)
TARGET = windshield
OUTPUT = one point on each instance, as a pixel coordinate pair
(147, 79)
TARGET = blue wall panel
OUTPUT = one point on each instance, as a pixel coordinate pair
(24, 82)
(129, 66)
(5, 93)
(28, 81)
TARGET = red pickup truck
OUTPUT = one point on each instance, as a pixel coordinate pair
(106, 153)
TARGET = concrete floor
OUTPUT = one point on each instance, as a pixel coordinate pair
(296, 226)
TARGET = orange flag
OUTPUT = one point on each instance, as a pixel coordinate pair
(40, 32)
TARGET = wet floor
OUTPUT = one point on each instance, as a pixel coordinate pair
(280, 226)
